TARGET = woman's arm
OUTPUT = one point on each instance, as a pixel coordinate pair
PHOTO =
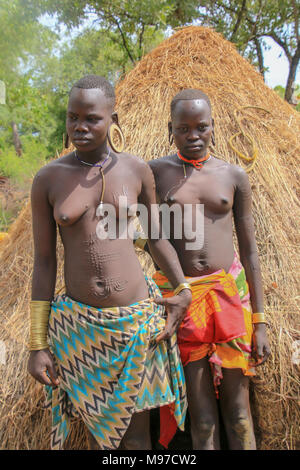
(44, 268)
(244, 224)
(44, 239)
(164, 255)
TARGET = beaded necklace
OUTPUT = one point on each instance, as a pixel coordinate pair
(99, 165)
(198, 164)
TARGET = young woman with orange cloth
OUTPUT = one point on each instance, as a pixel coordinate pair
(220, 339)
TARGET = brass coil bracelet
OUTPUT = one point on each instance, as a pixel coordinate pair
(39, 319)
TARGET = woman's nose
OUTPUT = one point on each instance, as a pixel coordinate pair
(193, 135)
(81, 126)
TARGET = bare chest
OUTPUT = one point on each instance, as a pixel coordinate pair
(76, 196)
(213, 189)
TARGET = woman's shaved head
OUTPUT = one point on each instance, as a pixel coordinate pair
(188, 94)
(96, 81)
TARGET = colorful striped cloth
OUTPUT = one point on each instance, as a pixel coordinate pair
(218, 325)
(111, 367)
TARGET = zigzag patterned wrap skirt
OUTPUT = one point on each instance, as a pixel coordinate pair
(111, 367)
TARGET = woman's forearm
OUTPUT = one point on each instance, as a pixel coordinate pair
(251, 264)
(166, 258)
(44, 278)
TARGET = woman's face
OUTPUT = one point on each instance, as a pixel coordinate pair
(192, 128)
(89, 116)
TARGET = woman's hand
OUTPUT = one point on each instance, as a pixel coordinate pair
(41, 362)
(176, 308)
(260, 344)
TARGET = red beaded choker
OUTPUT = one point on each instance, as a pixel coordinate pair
(197, 163)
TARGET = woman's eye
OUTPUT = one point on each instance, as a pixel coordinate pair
(95, 118)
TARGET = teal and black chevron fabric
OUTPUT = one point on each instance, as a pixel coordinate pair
(111, 367)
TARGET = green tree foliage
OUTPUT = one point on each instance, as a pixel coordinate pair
(245, 22)
(22, 36)
(41, 70)
(23, 43)
(29, 108)
(129, 24)
(91, 51)
(248, 22)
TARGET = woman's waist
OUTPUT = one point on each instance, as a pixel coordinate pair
(110, 290)
(205, 262)
(215, 274)
(86, 310)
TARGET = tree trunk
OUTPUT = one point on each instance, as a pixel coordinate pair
(292, 75)
(16, 139)
(238, 22)
(260, 57)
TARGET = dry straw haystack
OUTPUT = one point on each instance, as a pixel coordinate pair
(194, 57)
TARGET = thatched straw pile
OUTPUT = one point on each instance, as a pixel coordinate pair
(194, 57)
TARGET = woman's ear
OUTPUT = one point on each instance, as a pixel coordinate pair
(115, 118)
(114, 128)
(171, 140)
(213, 140)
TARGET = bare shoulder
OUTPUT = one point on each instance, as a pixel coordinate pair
(50, 171)
(159, 164)
(54, 165)
(240, 176)
(241, 184)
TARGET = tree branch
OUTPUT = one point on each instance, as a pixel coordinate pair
(259, 56)
(281, 43)
(16, 139)
(292, 74)
(239, 19)
(296, 18)
(116, 22)
(141, 40)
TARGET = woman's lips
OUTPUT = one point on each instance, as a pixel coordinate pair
(81, 141)
(194, 147)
